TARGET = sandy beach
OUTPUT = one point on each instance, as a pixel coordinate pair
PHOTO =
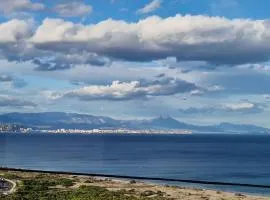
(170, 192)
(131, 188)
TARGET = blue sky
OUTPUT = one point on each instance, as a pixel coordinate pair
(126, 9)
(202, 62)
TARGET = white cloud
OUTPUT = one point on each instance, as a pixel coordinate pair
(196, 92)
(233, 108)
(151, 7)
(188, 38)
(199, 39)
(13, 40)
(131, 90)
(239, 106)
(14, 30)
(73, 9)
(10, 6)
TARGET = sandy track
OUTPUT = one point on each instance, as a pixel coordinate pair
(13, 188)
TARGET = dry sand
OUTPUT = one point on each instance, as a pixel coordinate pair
(137, 188)
(171, 192)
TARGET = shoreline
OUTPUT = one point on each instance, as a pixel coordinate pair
(105, 133)
(142, 133)
(137, 187)
(140, 178)
(157, 132)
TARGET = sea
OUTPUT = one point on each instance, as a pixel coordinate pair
(223, 158)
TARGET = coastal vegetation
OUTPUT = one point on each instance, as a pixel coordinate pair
(53, 187)
(44, 186)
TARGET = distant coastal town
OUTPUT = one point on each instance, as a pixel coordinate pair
(117, 131)
(13, 128)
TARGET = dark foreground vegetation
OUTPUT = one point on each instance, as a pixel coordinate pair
(51, 187)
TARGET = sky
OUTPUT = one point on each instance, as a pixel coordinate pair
(201, 62)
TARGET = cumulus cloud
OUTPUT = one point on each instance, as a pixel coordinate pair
(151, 7)
(8, 101)
(15, 46)
(240, 107)
(13, 40)
(59, 44)
(188, 38)
(131, 90)
(72, 9)
(11, 6)
(14, 31)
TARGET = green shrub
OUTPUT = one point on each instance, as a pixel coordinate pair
(41, 188)
(65, 182)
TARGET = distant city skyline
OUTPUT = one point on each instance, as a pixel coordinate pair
(201, 62)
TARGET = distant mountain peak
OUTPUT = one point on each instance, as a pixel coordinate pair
(165, 117)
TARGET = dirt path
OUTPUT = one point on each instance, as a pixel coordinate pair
(13, 188)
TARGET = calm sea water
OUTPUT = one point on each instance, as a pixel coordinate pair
(226, 158)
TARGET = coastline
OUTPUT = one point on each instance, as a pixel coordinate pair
(91, 132)
(128, 186)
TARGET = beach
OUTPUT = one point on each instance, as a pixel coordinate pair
(113, 188)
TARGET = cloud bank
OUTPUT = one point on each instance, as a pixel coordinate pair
(215, 40)
(8, 101)
(241, 108)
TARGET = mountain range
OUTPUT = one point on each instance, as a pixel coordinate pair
(56, 120)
